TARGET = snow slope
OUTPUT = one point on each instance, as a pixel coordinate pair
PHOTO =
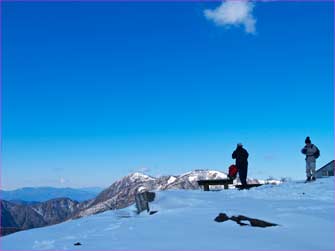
(185, 220)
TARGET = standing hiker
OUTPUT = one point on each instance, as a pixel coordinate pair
(312, 153)
(241, 157)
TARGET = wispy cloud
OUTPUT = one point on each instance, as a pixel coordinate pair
(233, 13)
(141, 170)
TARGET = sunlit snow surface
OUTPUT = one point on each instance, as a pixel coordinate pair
(185, 220)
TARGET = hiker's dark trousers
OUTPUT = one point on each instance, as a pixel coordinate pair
(243, 172)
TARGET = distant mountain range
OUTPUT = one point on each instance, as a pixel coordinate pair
(121, 194)
(17, 217)
(28, 195)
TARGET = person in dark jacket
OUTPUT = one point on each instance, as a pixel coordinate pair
(241, 156)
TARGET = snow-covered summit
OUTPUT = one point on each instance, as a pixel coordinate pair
(139, 176)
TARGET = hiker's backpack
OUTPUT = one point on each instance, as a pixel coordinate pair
(317, 153)
(232, 172)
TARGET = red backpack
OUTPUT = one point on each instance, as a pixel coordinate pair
(232, 172)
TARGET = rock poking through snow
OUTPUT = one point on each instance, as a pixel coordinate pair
(241, 220)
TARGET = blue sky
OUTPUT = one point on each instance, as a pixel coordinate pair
(94, 91)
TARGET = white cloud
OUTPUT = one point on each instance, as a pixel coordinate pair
(141, 170)
(233, 13)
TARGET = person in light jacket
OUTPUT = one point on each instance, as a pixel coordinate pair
(309, 150)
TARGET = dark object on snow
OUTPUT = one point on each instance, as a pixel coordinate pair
(253, 222)
(152, 212)
(261, 223)
(238, 221)
(150, 196)
(241, 156)
(241, 220)
(221, 218)
(310, 179)
(77, 244)
(142, 201)
(206, 183)
(248, 186)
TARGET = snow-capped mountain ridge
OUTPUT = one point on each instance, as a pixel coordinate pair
(122, 192)
(119, 195)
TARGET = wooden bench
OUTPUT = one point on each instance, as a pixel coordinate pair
(206, 183)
